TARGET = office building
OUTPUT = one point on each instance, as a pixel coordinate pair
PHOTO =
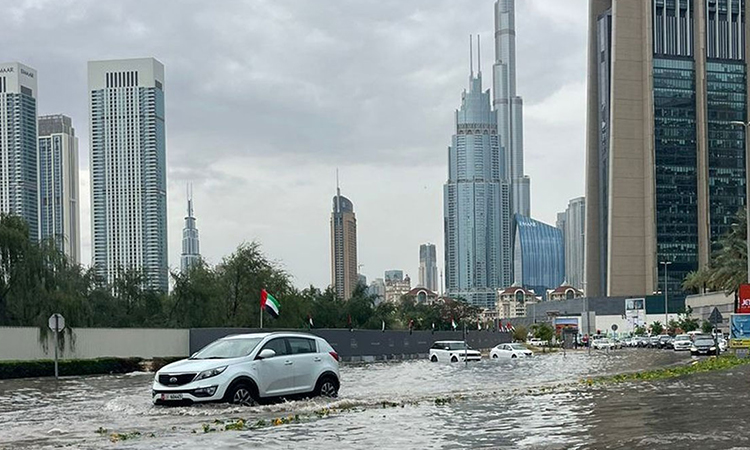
(19, 181)
(377, 290)
(128, 169)
(59, 215)
(538, 255)
(394, 275)
(509, 106)
(665, 165)
(191, 252)
(344, 275)
(476, 203)
(428, 273)
(572, 224)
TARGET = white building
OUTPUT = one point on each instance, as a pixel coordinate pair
(572, 222)
(59, 216)
(395, 289)
(128, 168)
(19, 182)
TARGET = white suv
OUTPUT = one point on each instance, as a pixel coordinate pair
(453, 351)
(246, 368)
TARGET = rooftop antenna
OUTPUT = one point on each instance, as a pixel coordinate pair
(338, 192)
(479, 58)
(471, 55)
(190, 199)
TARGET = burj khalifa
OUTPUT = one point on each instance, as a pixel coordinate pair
(509, 106)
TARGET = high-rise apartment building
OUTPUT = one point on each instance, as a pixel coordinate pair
(665, 165)
(344, 274)
(128, 168)
(19, 181)
(509, 106)
(428, 274)
(572, 223)
(59, 216)
(476, 203)
(191, 251)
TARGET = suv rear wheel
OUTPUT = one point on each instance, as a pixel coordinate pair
(327, 386)
(434, 358)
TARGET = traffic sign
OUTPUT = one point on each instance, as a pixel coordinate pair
(715, 317)
(614, 327)
(56, 322)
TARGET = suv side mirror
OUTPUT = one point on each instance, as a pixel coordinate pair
(266, 353)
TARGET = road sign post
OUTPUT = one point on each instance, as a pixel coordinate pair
(56, 323)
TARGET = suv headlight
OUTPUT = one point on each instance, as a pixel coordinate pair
(210, 373)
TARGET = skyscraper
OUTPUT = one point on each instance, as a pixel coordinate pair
(344, 276)
(476, 203)
(665, 165)
(58, 185)
(191, 252)
(128, 168)
(19, 193)
(572, 224)
(428, 275)
(538, 255)
(509, 106)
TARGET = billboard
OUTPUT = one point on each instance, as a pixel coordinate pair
(635, 312)
(743, 307)
(739, 330)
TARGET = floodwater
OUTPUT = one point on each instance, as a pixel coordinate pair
(535, 403)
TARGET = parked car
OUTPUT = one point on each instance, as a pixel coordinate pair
(504, 351)
(682, 342)
(535, 342)
(247, 368)
(602, 344)
(453, 351)
(642, 341)
(663, 341)
(653, 342)
(704, 346)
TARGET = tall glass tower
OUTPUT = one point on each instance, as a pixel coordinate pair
(191, 252)
(476, 203)
(19, 194)
(344, 277)
(509, 106)
(428, 274)
(58, 185)
(128, 168)
(665, 164)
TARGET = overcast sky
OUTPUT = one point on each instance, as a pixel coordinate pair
(266, 98)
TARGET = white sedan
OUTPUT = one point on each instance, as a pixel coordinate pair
(504, 351)
(603, 343)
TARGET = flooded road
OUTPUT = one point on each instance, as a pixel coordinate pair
(535, 403)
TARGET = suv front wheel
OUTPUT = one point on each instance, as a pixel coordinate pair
(242, 394)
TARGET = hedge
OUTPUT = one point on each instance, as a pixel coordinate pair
(46, 368)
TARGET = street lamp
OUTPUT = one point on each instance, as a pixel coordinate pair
(666, 293)
(747, 187)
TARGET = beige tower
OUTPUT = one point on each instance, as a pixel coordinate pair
(665, 165)
(344, 277)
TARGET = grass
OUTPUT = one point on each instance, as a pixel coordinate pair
(706, 365)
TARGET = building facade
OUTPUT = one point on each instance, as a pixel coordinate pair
(377, 290)
(128, 169)
(509, 106)
(428, 273)
(539, 258)
(394, 275)
(19, 192)
(476, 203)
(564, 292)
(572, 222)
(59, 207)
(395, 289)
(665, 165)
(191, 251)
(512, 302)
(344, 274)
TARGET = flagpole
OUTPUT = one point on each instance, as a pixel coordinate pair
(261, 317)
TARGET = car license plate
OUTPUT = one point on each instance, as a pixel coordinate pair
(171, 396)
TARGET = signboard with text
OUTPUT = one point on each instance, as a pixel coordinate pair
(743, 306)
(635, 312)
(739, 330)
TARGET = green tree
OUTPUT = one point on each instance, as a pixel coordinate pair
(707, 327)
(543, 331)
(657, 328)
(520, 333)
(639, 331)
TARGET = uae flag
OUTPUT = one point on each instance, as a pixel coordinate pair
(453, 323)
(269, 303)
(310, 321)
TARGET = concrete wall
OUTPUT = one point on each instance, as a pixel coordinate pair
(25, 343)
(357, 344)
(704, 304)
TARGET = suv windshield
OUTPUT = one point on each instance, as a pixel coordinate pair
(228, 348)
(458, 346)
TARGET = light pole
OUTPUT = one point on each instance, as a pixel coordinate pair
(747, 188)
(666, 294)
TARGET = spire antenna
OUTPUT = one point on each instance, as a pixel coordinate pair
(471, 55)
(479, 57)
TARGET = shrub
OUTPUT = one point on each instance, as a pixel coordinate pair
(46, 368)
